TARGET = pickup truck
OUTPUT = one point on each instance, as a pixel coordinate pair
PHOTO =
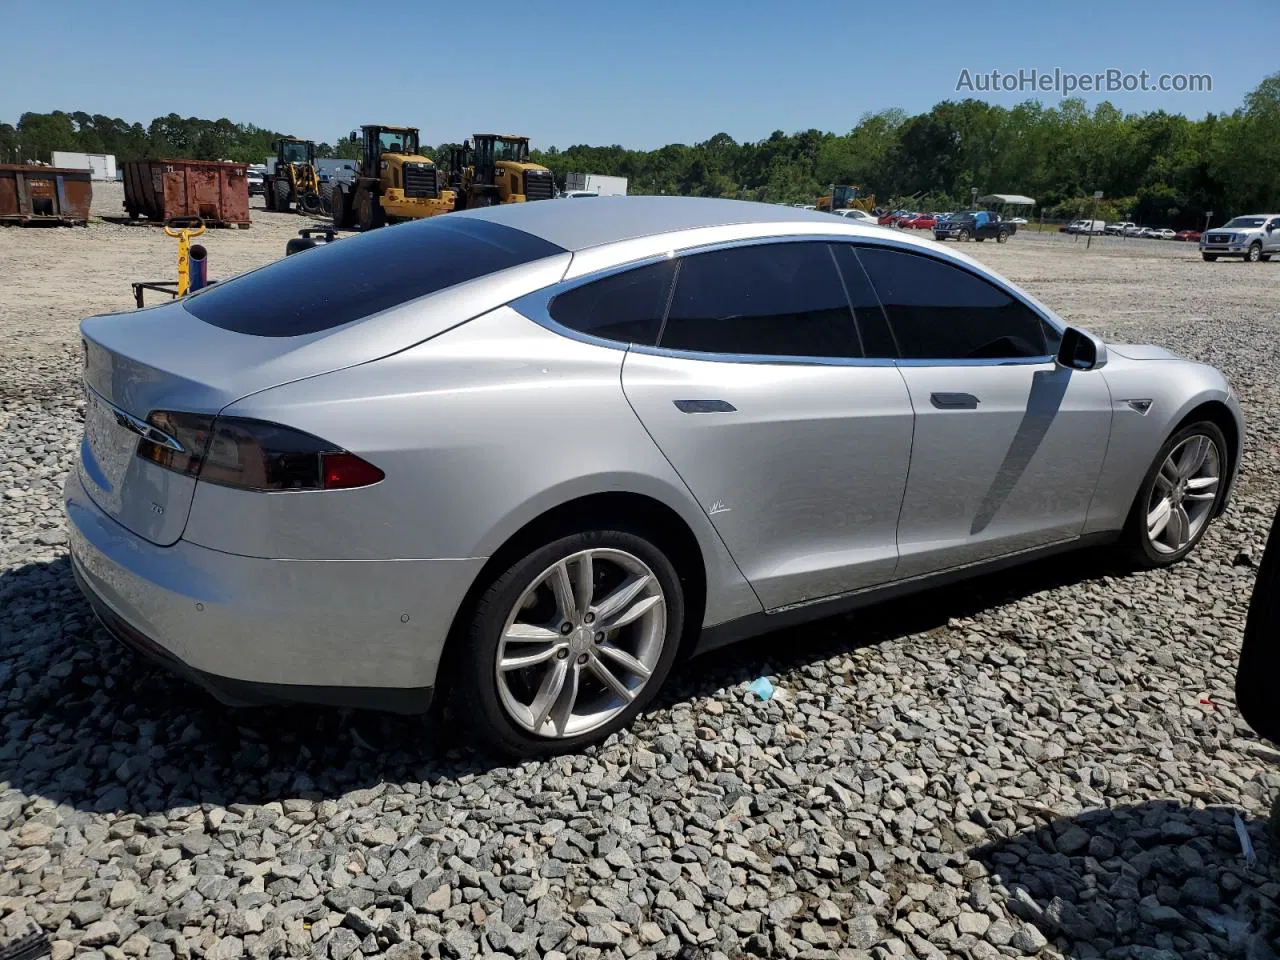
(1252, 238)
(978, 225)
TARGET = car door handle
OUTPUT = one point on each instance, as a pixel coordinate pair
(954, 401)
(705, 406)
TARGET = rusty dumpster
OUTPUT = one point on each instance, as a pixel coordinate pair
(162, 190)
(32, 194)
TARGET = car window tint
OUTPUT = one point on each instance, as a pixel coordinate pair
(627, 307)
(356, 277)
(941, 312)
(782, 299)
(873, 328)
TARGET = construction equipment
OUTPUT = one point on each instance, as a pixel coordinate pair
(844, 197)
(193, 262)
(394, 181)
(494, 168)
(294, 183)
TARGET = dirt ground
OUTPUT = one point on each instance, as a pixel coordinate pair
(53, 277)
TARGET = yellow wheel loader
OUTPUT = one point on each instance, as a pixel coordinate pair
(494, 168)
(294, 184)
(394, 181)
(846, 197)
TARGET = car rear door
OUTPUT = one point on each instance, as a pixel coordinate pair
(759, 394)
(1008, 444)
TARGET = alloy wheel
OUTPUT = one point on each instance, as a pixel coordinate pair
(581, 643)
(1183, 494)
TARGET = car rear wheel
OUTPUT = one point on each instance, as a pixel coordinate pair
(568, 644)
(1002, 236)
(1255, 252)
(1178, 496)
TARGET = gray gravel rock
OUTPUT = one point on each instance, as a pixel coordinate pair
(1044, 760)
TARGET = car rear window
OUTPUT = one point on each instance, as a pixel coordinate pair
(356, 277)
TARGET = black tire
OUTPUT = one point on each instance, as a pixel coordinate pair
(310, 203)
(1210, 257)
(369, 211)
(341, 211)
(269, 195)
(1255, 252)
(1135, 540)
(471, 689)
(281, 189)
(964, 234)
(1265, 258)
(1002, 236)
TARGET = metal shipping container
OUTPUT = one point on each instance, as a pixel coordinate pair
(34, 193)
(102, 166)
(163, 190)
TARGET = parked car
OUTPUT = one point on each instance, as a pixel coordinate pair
(269, 502)
(925, 221)
(1132, 230)
(1165, 233)
(976, 225)
(1017, 221)
(1252, 238)
(1087, 226)
(1187, 235)
(1259, 665)
(1119, 229)
(858, 216)
(255, 181)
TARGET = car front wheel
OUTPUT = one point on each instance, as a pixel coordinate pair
(568, 644)
(1255, 253)
(1178, 496)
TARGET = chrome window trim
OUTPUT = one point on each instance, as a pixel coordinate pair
(536, 307)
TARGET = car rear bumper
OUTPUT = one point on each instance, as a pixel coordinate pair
(253, 630)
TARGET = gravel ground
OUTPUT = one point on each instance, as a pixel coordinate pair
(1045, 762)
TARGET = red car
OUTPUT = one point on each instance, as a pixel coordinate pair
(1192, 235)
(926, 221)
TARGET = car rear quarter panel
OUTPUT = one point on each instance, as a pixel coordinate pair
(479, 431)
(1175, 388)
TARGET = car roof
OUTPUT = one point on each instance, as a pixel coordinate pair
(612, 220)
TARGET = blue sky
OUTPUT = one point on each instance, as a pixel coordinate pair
(638, 74)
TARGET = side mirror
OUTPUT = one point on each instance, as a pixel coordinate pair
(1081, 350)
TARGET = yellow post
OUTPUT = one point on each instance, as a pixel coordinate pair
(184, 254)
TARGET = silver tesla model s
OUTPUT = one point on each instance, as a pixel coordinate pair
(523, 457)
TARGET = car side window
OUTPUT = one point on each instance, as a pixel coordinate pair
(627, 307)
(873, 327)
(940, 312)
(778, 299)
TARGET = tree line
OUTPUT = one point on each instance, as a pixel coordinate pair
(1153, 167)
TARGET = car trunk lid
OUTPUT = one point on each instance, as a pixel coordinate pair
(167, 358)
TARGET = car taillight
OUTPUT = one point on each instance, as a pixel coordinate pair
(252, 454)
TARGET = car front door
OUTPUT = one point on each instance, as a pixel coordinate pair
(1271, 236)
(759, 395)
(1008, 444)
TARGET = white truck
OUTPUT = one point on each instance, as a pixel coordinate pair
(595, 183)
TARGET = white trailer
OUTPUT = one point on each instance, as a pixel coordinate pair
(597, 183)
(101, 166)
